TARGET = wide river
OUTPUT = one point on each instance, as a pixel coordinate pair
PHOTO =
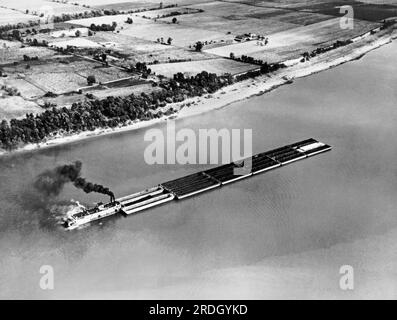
(281, 234)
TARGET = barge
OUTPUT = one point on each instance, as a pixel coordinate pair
(199, 182)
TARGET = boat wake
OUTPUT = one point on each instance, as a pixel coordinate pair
(60, 212)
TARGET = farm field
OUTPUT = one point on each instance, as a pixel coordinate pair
(123, 4)
(139, 50)
(218, 66)
(8, 16)
(231, 10)
(182, 36)
(126, 44)
(119, 19)
(371, 10)
(160, 13)
(124, 91)
(296, 41)
(150, 30)
(16, 107)
(14, 51)
(74, 42)
(284, 4)
(234, 26)
(43, 6)
(293, 27)
(63, 75)
(170, 54)
(26, 89)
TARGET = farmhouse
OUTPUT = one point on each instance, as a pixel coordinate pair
(248, 37)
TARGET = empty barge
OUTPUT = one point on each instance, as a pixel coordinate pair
(199, 182)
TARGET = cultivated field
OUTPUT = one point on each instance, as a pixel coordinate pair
(8, 16)
(283, 45)
(124, 91)
(371, 10)
(42, 6)
(292, 27)
(75, 42)
(150, 30)
(182, 36)
(135, 4)
(125, 6)
(235, 26)
(218, 66)
(119, 19)
(137, 49)
(26, 89)
(14, 51)
(63, 75)
(156, 14)
(126, 44)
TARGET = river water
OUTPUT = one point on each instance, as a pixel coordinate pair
(339, 197)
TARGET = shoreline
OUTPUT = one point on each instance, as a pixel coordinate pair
(228, 95)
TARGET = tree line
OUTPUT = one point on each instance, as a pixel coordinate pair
(106, 113)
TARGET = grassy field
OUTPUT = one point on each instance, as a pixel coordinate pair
(218, 66)
(15, 107)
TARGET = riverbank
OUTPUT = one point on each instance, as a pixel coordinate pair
(233, 93)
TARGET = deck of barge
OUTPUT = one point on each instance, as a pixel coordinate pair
(216, 177)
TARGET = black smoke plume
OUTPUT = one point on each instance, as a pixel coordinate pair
(51, 182)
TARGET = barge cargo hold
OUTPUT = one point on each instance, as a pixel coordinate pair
(199, 182)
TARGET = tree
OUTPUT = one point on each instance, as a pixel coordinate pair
(78, 33)
(174, 20)
(169, 41)
(232, 56)
(129, 20)
(198, 46)
(91, 80)
(16, 34)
